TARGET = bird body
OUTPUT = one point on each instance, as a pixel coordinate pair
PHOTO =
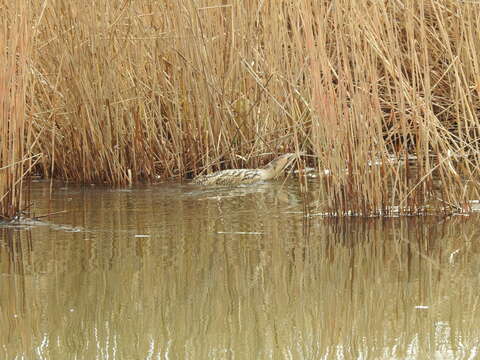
(247, 176)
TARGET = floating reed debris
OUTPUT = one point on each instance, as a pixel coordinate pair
(146, 89)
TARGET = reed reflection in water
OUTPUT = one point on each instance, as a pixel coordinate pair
(181, 272)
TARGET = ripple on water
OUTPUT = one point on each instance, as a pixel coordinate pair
(179, 271)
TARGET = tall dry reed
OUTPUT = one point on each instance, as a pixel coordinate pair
(15, 129)
(403, 82)
(134, 90)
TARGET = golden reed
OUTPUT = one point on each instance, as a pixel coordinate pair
(388, 103)
(16, 139)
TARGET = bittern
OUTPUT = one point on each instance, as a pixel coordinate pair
(247, 176)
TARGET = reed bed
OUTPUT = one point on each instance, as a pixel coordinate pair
(134, 90)
(16, 141)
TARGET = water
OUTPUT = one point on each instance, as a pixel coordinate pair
(183, 272)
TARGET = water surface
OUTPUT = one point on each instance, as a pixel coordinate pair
(176, 271)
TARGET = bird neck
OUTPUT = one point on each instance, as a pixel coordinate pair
(276, 166)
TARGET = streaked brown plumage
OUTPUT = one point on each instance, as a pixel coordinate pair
(247, 176)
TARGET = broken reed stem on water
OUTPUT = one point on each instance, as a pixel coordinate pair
(169, 89)
(15, 158)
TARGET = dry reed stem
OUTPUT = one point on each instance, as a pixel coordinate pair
(15, 130)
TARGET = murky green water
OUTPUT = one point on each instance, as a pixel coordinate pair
(182, 272)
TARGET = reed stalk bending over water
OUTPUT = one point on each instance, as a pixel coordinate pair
(247, 176)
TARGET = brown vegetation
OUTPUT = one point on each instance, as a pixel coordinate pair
(125, 91)
(16, 140)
